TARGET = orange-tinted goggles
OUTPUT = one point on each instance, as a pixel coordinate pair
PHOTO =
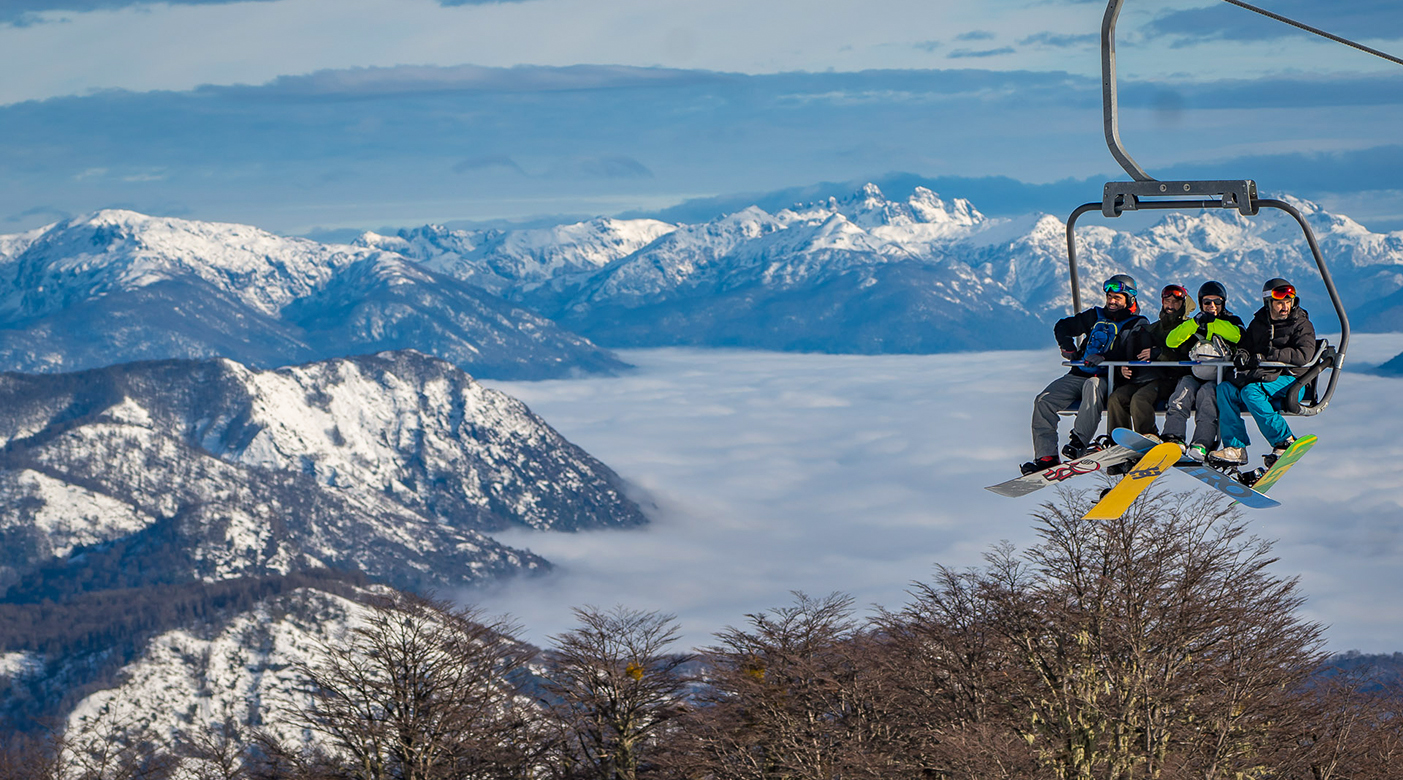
(1281, 293)
(1174, 291)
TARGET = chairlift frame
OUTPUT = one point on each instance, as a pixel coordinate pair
(1145, 193)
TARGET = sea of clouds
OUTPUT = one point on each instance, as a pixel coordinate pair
(778, 472)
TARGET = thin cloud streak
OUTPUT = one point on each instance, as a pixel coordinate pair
(780, 472)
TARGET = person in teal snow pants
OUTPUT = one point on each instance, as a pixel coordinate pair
(1280, 332)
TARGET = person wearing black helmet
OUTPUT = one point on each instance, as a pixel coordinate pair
(1280, 332)
(1212, 335)
(1108, 333)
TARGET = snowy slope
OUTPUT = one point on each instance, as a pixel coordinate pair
(117, 286)
(393, 464)
(190, 680)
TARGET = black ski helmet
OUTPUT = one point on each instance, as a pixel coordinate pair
(1213, 288)
(1274, 283)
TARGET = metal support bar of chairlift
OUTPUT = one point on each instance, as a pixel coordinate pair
(1140, 194)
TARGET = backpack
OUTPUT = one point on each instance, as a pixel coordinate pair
(1214, 349)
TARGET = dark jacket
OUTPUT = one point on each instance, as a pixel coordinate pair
(1153, 338)
(1111, 336)
(1289, 341)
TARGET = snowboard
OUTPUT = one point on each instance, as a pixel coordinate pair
(1284, 463)
(1092, 463)
(1220, 481)
(1149, 468)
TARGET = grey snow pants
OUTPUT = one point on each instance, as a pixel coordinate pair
(1200, 397)
(1059, 395)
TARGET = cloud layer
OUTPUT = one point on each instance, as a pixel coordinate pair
(370, 147)
(780, 472)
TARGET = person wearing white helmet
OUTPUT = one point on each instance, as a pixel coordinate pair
(1280, 332)
(1107, 330)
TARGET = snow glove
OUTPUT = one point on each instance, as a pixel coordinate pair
(1243, 360)
(1093, 359)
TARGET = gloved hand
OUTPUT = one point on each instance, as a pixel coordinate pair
(1069, 354)
(1204, 318)
(1243, 360)
(1094, 359)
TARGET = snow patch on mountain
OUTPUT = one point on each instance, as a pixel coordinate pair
(191, 680)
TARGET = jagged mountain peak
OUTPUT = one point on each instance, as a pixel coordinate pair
(869, 208)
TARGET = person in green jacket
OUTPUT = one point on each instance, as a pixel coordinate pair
(1212, 335)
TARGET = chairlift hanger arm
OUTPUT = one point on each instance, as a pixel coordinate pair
(1110, 102)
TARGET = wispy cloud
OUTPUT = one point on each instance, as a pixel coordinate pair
(961, 53)
(1055, 41)
(26, 12)
(976, 35)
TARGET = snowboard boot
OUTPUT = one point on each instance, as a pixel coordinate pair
(1249, 478)
(1277, 451)
(1195, 452)
(1074, 449)
(1229, 455)
(1039, 464)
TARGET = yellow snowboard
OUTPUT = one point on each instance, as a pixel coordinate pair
(1158, 460)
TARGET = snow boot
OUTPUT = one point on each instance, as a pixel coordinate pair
(1039, 464)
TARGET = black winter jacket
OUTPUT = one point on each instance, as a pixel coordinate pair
(1289, 341)
(1069, 329)
(1152, 338)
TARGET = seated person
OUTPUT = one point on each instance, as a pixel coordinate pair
(1282, 332)
(1108, 331)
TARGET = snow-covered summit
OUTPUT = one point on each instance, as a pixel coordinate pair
(117, 285)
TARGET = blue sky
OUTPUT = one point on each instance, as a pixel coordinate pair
(299, 115)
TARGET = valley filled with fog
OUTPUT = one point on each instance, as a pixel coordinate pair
(777, 472)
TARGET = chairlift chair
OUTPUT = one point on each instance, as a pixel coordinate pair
(1145, 193)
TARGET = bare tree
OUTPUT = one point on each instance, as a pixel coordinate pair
(614, 686)
(422, 691)
(796, 693)
(1156, 642)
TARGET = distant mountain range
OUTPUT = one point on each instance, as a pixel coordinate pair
(870, 274)
(116, 286)
(864, 273)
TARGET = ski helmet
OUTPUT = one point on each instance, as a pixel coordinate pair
(1125, 285)
(1213, 289)
(1279, 288)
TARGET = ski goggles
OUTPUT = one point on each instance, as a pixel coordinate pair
(1119, 287)
(1174, 291)
(1282, 293)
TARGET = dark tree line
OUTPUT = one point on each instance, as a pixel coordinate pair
(1158, 646)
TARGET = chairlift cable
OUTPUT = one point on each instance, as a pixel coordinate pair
(1317, 31)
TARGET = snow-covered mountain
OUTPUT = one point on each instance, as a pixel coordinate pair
(871, 274)
(118, 286)
(395, 465)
